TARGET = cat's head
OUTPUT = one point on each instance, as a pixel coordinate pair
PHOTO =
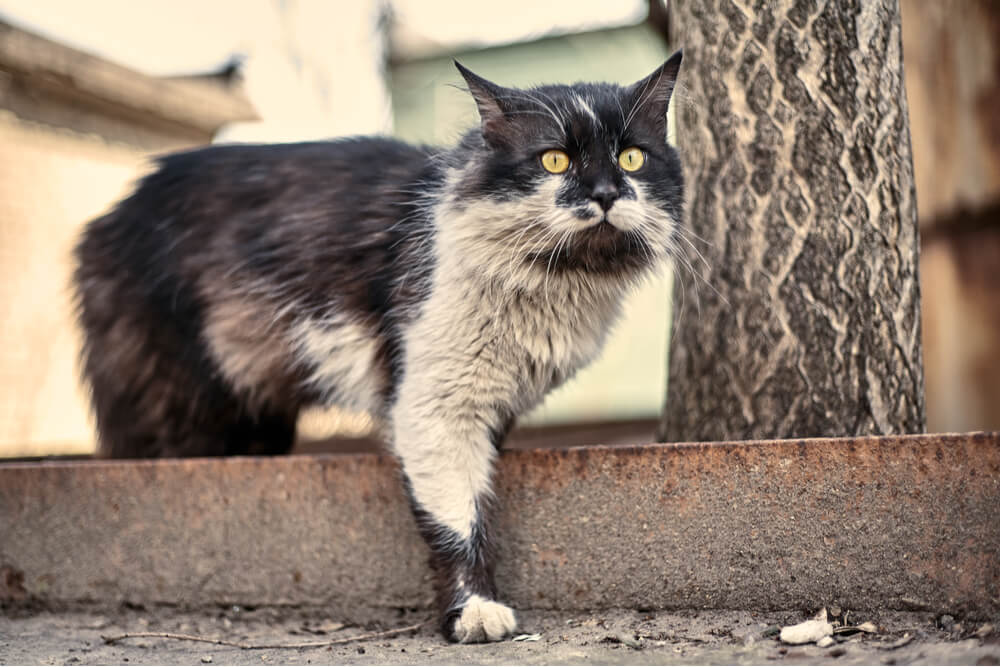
(570, 178)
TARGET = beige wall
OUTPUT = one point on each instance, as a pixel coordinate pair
(961, 326)
(952, 65)
(51, 182)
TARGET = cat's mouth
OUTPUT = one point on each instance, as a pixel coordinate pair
(601, 232)
(602, 219)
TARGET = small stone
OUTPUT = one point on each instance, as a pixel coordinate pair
(329, 626)
(806, 632)
(835, 611)
(946, 622)
(825, 641)
(984, 630)
(868, 627)
(771, 631)
(206, 659)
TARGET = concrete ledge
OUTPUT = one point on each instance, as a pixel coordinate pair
(868, 523)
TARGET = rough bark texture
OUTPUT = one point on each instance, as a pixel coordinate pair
(804, 319)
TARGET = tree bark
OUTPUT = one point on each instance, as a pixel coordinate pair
(804, 317)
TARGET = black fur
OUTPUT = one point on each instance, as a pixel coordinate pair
(315, 221)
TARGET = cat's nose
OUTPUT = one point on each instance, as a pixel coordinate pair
(605, 194)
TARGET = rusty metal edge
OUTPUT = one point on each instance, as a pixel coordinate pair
(917, 439)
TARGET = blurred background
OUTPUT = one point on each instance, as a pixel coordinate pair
(90, 90)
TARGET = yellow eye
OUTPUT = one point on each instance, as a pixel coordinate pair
(632, 159)
(555, 161)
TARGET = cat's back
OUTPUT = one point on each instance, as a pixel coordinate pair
(261, 208)
(241, 182)
(276, 167)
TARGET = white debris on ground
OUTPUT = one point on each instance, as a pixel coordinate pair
(868, 627)
(808, 632)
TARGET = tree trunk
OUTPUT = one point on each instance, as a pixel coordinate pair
(804, 318)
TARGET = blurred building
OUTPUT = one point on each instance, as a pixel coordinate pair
(75, 132)
(952, 69)
(77, 128)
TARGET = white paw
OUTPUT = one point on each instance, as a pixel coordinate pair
(484, 620)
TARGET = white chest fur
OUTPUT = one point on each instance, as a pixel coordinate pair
(507, 346)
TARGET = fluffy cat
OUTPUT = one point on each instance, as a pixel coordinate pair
(443, 291)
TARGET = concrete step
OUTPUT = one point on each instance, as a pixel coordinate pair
(897, 523)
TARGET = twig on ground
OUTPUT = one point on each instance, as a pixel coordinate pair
(867, 627)
(226, 642)
(899, 643)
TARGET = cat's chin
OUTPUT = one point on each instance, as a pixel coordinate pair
(599, 249)
(602, 235)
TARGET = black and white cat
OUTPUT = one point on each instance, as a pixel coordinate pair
(443, 291)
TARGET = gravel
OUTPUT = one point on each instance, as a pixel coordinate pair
(606, 637)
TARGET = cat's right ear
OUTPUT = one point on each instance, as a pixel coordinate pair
(492, 101)
(651, 96)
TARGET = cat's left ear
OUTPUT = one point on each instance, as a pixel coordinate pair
(650, 97)
(492, 101)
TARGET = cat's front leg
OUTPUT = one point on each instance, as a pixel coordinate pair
(447, 446)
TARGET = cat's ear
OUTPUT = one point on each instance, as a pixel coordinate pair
(492, 101)
(650, 97)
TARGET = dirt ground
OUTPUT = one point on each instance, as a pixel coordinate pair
(614, 637)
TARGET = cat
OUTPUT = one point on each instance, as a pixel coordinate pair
(444, 291)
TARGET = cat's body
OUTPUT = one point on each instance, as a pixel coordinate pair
(443, 292)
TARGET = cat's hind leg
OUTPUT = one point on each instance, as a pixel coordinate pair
(157, 392)
(173, 413)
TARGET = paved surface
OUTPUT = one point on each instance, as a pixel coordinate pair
(614, 637)
(905, 523)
